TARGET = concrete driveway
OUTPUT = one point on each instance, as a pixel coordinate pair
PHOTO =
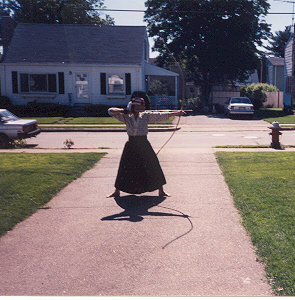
(190, 244)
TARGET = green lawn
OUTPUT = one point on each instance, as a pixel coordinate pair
(275, 114)
(267, 114)
(84, 120)
(78, 120)
(29, 181)
(262, 185)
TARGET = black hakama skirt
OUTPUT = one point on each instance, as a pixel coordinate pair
(139, 169)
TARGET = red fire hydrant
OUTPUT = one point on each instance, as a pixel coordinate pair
(275, 133)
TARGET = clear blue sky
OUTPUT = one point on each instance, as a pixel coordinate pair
(277, 21)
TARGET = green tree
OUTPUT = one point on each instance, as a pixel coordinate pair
(4, 11)
(216, 40)
(58, 11)
(278, 42)
(256, 92)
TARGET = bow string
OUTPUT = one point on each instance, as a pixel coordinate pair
(183, 90)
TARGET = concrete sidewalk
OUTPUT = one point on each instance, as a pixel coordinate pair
(190, 244)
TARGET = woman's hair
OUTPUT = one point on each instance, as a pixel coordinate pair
(139, 94)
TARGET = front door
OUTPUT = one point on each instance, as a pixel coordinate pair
(82, 87)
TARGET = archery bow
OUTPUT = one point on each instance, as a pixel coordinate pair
(183, 91)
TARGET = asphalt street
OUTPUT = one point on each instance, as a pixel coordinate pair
(189, 244)
(198, 132)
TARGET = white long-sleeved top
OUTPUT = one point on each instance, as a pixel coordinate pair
(139, 126)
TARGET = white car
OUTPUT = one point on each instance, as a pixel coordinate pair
(13, 128)
(239, 106)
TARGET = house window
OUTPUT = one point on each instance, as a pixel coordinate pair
(82, 85)
(116, 84)
(38, 83)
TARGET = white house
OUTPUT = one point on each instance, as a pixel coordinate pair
(77, 64)
(275, 72)
(288, 75)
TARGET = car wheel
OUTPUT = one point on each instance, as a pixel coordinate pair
(4, 141)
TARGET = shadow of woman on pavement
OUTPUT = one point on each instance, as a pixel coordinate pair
(136, 207)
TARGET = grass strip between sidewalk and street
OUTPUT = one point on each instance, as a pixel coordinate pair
(30, 180)
(267, 114)
(262, 185)
(76, 120)
(86, 122)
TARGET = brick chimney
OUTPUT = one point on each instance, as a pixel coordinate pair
(7, 28)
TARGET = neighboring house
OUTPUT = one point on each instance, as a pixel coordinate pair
(77, 64)
(289, 96)
(221, 93)
(275, 72)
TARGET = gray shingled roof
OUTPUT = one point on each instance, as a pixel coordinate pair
(276, 61)
(76, 44)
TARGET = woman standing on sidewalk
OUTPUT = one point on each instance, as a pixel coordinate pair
(139, 169)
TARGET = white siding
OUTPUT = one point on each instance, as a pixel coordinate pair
(93, 73)
(287, 70)
(288, 58)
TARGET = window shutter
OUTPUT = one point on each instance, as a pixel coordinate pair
(52, 83)
(61, 82)
(128, 83)
(24, 83)
(14, 82)
(103, 83)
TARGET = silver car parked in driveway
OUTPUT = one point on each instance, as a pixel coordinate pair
(13, 128)
(239, 106)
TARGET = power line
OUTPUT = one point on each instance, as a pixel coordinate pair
(177, 11)
(180, 11)
(288, 1)
(174, 11)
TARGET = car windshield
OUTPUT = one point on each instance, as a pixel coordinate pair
(241, 100)
(6, 116)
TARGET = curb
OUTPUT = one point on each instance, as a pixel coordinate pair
(287, 128)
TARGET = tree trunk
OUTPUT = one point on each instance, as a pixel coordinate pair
(206, 91)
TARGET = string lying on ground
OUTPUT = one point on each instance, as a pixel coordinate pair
(185, 216)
